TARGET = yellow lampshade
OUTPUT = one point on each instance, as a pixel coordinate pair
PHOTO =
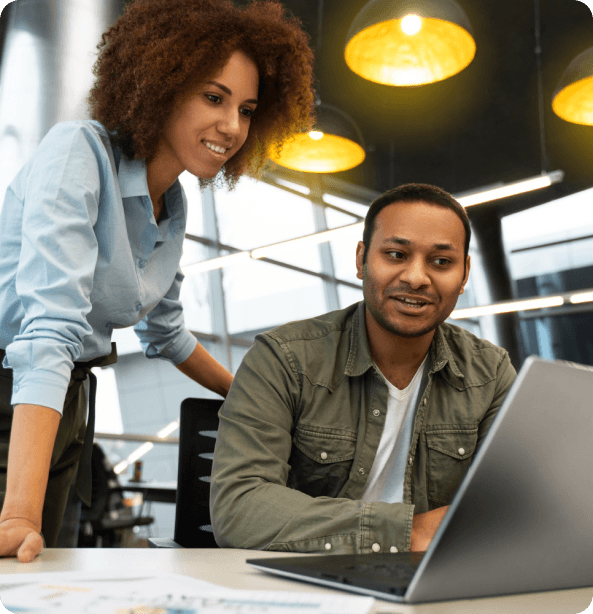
(409, 42)
(573, 99)
(334, 145)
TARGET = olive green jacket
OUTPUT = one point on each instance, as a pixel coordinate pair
(302, 422)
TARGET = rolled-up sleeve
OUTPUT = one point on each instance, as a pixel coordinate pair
(59, 194)
(251, 505)
(162, 332)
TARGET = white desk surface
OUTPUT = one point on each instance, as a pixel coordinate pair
(228, 568)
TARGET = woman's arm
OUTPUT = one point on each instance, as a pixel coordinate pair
(207, 371)
(32, 438)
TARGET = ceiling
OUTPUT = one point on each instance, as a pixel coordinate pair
(477, 128)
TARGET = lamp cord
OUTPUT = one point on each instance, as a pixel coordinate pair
(544, 160)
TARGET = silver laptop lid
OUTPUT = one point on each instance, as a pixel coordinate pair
(522, 519)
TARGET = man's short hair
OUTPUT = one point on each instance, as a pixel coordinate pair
(412, 192)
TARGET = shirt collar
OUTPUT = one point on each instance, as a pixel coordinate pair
(359, 357)
(133, 183)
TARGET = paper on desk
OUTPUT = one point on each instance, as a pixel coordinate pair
(101, 593)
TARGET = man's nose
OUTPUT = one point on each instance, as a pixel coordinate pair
(415, 273)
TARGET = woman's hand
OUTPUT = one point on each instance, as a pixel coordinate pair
(32, 437)
(19, 537)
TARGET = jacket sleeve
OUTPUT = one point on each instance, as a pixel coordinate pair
(251, 506)
(162, 332)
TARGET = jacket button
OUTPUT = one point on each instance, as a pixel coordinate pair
(461, 451)
(323, 455)
(376, 548)
(376, 412)
(328, 546)
(361, 471)
(410, 460)
(393, 549)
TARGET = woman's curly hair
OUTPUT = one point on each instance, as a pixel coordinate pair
(157, 47)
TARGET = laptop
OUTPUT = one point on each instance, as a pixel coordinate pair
(521, 520)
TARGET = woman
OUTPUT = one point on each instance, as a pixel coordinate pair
(92, 227)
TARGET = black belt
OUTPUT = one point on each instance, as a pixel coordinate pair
(80, 372)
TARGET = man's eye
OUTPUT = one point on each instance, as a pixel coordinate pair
(443, 261)
(395, 255)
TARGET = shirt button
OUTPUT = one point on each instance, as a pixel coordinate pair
(393, 549)
(461, 451)
(376, 548)
(323, 455)
(15, 387)
(361, 471)
(142, 263)
(138, 306)
(328, 546)
(376, 412)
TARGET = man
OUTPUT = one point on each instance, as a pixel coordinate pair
(351, 432)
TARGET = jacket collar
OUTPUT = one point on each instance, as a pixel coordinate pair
(359, 357)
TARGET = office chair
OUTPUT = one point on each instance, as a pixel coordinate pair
(102, 523)
(198, 424)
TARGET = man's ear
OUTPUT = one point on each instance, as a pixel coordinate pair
(359, 257)
(465, 277)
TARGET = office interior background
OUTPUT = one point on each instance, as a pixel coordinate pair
(491, 124)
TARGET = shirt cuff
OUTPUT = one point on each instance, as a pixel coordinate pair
(39, 388)
(178, 350)
(386, 527)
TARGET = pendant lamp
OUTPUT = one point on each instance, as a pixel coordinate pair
(409, 42)
(573, 98)
(335, 144)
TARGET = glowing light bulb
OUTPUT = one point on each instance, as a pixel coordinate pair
(411, 24)
(316, 135)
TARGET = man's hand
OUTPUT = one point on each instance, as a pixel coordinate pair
(20, 538)
(424, 526)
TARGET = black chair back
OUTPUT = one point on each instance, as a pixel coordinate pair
(198, 425)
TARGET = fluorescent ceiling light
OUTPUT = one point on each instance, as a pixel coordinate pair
(511, 189)
(318, 237)
(508, 307)
(583, 297)
(215, 263)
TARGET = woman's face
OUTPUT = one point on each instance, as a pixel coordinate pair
(210, 124)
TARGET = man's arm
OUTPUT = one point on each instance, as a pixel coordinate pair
(32, 439)
(251, 506)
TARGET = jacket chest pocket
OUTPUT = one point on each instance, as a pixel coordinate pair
(320, 460)
(450, 452)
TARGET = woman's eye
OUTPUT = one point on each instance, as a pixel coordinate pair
(213, 98)
(247, 112)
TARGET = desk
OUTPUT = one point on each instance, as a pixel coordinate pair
(159, 492)
(228, 568)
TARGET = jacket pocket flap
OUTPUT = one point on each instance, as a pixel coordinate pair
(456, 443)
(327, 446)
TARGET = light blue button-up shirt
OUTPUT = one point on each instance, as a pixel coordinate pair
(81, 254)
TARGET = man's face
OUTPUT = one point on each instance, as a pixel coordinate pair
(414, 270)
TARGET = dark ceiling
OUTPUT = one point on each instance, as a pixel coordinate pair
(477, 128)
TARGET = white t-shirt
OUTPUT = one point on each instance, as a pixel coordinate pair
(386, 479)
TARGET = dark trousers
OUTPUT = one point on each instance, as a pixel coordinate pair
(67, 448)
(65, 456)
